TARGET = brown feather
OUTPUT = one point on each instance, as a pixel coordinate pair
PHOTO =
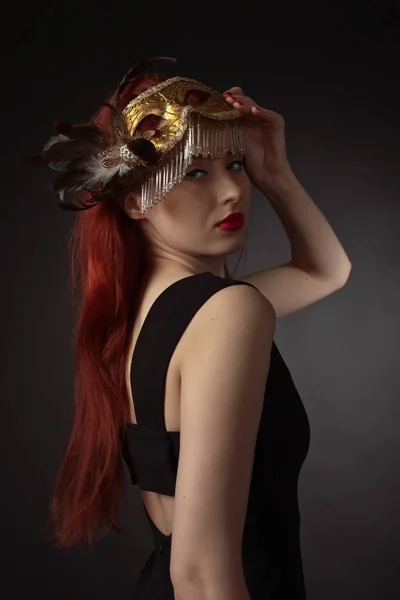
(83, 179)
(84, 131)
(62, 150)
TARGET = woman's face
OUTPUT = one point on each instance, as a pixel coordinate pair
(181, 228)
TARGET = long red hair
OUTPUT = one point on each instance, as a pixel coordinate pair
(108, 257)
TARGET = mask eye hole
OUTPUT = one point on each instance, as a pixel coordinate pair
(149, 126)
(196, 97)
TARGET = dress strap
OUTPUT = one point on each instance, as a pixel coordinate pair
(161, 331)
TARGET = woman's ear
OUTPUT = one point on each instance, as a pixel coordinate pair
(130, 204)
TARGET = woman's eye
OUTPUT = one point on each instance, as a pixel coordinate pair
(191, 174)
(237, 162)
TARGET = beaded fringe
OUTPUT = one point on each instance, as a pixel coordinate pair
(206, 141)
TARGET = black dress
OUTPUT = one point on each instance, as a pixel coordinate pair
(271, 553)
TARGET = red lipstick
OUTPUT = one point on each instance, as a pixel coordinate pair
(232, 222)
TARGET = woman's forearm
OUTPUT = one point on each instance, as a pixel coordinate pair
(315, 247)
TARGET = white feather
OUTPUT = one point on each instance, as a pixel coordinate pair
(124, 168)
(100, 174)
(54, 140)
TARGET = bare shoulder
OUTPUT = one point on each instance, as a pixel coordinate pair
(238, 306)
(239, 297)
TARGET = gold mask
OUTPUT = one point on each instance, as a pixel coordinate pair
(174, 101)
(151, 142)
(194, 120)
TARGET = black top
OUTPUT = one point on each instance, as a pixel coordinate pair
(271, 552)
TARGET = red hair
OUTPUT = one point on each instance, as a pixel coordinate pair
(109, 259)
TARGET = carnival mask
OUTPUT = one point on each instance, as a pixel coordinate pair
(151, 142)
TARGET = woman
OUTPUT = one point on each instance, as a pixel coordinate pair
(177, 372)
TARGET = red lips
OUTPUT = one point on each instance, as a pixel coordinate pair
(236, 217)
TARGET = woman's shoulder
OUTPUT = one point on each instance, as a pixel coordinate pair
(230, 306)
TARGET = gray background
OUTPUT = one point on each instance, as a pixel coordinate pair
(333, 75)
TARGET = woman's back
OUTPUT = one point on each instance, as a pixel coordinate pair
(161, 507)
(241, 518)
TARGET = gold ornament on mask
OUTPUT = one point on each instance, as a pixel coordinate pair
(196, 121)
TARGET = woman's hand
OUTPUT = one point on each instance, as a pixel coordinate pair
(264, 137)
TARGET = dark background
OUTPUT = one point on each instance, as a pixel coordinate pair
(333, 73)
